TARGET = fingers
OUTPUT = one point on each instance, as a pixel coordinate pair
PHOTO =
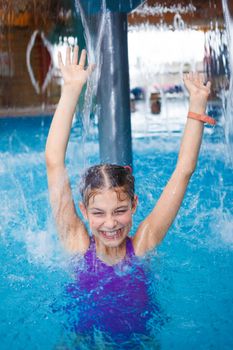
(202, 81)
(68, 61)
(201, 78)
(188, 76)
(81, 63)
(208, 85)
(60, 62)
(197, 78)
(90, 69)
(74, 60)
(75, 55)
(82, 59)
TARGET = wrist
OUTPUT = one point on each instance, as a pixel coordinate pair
(69, 97)
(73, 90)
(197, 105)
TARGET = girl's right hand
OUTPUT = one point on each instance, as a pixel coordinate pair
(73, 72)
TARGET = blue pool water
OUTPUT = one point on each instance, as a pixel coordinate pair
(189, 275)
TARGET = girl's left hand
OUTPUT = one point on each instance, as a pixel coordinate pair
(198, 91)
(194, 83)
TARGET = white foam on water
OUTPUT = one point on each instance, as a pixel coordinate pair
(221, 228)
(43, 248)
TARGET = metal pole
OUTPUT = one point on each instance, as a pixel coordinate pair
(113, 93)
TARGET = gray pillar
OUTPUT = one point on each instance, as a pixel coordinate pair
(114, 94)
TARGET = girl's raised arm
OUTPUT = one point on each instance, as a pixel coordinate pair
(71, 229)
(153, 229)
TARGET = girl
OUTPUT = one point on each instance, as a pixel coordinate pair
(108, 198)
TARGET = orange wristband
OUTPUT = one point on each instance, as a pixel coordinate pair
(202, 117)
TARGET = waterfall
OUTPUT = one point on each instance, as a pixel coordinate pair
(93, 44)
(227, 96)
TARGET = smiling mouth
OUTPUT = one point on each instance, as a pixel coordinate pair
(110, 235)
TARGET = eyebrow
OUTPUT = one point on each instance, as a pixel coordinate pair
(98, 209)
(122, 207)
(118, 208)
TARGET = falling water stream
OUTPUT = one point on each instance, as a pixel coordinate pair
(227, 96)
(93, 45)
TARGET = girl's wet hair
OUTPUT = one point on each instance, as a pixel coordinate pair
(107, 176)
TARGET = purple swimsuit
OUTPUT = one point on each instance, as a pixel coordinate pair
(110, 298)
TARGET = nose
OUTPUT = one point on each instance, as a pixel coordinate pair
(110, 222)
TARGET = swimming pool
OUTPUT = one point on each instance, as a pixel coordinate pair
(190, 274)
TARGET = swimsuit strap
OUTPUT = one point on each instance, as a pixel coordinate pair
(129, 247)
(90, 254)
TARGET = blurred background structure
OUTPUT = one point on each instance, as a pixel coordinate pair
(31, 32)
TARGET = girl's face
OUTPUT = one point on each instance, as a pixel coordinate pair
(109, 214)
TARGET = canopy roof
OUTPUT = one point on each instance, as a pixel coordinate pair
(198, 13)
(44, 13)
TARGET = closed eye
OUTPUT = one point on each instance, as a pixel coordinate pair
(99, 213)
(122, 211)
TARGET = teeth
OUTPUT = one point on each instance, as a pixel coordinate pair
(111, 233)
